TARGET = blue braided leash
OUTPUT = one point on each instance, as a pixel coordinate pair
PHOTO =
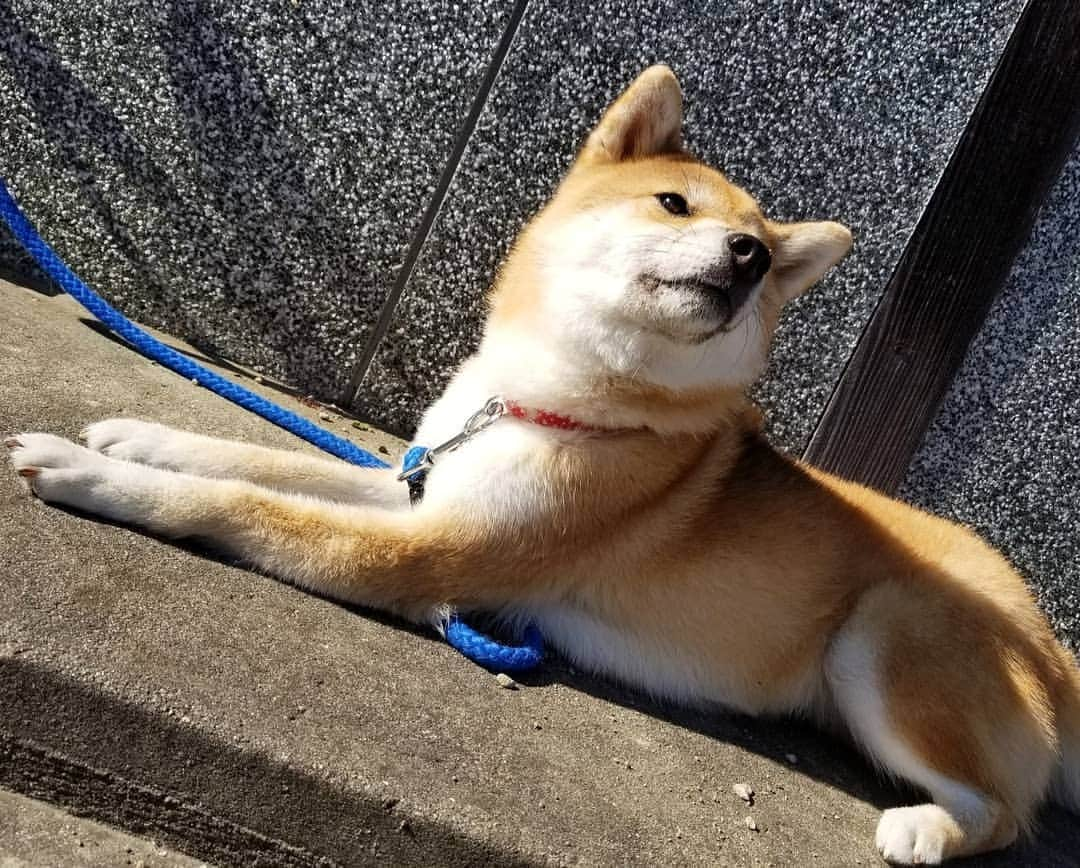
(472, 644)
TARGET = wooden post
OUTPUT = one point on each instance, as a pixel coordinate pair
(960, 254)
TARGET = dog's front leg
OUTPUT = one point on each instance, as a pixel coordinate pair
(292, 472)
(406, 562)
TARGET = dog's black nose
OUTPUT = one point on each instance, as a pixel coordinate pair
(749, 257)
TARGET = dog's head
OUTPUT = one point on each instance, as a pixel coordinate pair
(649, 265)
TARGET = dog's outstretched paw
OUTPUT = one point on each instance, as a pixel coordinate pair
(59, 471)
(55, 468)
(13, 443)
(130, 440)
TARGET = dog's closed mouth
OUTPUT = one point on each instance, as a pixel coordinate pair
(721, 303)
(652, 282)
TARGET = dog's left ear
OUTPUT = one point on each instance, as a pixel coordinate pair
(645, 120)
(803, 252)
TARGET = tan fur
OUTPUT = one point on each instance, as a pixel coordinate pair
(678, 526)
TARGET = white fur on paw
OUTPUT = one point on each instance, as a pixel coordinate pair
(55, 468)
(914, 836)
(131, 440)
(59, 471)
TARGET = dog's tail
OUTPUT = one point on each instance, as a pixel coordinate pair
(1066, 783)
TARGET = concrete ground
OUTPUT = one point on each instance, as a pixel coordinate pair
(241, 721)
(34, 834)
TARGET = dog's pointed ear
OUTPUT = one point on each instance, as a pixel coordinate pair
(803, 252)
(645, 120)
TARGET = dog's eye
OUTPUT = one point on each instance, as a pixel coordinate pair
(674, 204)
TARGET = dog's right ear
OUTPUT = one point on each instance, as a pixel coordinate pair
(803, 252)
(645, 120)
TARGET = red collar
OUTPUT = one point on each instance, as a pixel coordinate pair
(547, 419)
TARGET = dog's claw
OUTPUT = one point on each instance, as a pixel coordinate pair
(28, 472)
(12, 443)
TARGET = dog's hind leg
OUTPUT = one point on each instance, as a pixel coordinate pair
(935, 698)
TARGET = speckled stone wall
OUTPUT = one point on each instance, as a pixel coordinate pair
(1004, 452)
(246, 174)
(844, 110)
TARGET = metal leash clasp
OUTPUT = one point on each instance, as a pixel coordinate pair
(493, 409)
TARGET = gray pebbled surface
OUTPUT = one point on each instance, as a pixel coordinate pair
(1002, 454)
(827, 109)
(245, 174)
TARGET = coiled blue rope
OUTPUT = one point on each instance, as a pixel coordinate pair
(472, 644)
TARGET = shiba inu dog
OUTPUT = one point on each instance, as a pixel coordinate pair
(620, 495)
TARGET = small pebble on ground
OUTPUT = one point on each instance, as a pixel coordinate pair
(744, 792)
(504, 680)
